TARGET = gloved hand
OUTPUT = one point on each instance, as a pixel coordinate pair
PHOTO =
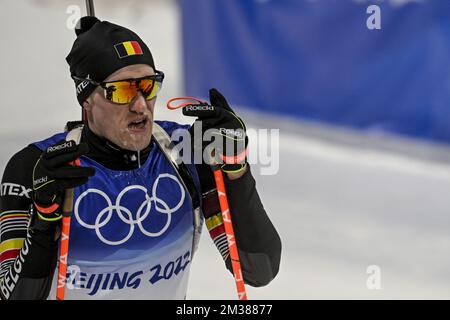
(223, 121)
(53, 173)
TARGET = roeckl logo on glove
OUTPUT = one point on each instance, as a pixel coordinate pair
(40, 180)
(200, 108)
(231, 132)
(67, 144)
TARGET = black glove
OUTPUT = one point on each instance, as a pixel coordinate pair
(53, 173)
(225, 124)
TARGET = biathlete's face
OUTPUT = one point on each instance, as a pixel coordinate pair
(128, 125)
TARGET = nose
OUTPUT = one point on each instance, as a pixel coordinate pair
(138, 104)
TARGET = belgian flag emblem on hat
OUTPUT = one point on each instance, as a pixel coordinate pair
(128, 48)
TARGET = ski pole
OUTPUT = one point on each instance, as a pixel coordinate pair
(223, 202)
(90, 11)
(226, 216)
(90, 8)
(67, 210)
(64, 240)
(64, 244)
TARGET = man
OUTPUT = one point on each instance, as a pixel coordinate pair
(135, 222)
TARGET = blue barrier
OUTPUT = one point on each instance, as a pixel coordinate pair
(318, 60)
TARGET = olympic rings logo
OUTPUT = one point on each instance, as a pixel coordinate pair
(105, 215)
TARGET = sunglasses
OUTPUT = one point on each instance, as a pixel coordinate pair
(124, 91)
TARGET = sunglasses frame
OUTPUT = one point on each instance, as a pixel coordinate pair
(158, 77)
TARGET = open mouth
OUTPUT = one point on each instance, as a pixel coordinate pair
(138, 124)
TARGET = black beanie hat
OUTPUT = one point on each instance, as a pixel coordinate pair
(100, 49)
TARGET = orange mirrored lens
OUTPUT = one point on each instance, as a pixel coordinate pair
(155, 90)
(146, 86)
(124, 91)
(120, 91)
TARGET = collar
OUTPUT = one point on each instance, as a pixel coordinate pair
(112, 156)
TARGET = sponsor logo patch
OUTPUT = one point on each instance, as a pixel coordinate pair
(14, 189)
